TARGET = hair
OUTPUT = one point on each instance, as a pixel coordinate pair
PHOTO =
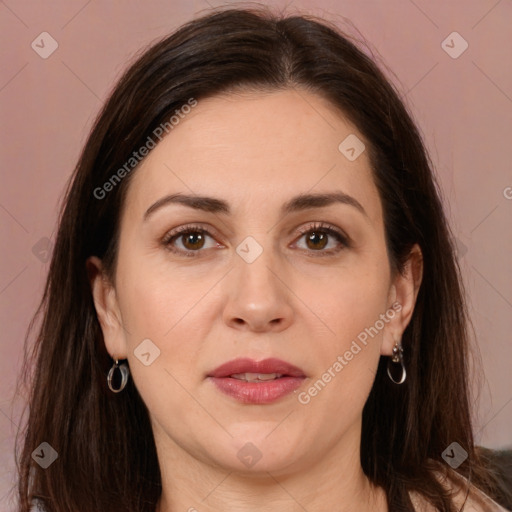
(106, 452)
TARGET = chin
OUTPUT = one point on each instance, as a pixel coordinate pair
(258, 454)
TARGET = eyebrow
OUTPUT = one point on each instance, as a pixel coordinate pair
(297, 203)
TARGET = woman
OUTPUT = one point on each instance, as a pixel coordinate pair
(253, 301)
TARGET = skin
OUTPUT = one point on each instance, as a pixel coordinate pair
(255, 151)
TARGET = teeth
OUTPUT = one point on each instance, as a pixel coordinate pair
(256, 377)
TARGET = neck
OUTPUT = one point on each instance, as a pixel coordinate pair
(335, 481)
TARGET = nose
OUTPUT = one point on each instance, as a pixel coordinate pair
(259, 299)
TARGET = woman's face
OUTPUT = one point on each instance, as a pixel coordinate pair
(257, 283)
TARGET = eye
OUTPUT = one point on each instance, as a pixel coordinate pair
(192, 239)
(317, 238)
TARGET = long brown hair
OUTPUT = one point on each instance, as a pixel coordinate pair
(106, 453)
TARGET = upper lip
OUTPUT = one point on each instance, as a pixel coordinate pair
(246, 365)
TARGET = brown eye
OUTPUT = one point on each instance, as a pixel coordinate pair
(318, 236)
(187, 240)
(317, 240)
(193, 240)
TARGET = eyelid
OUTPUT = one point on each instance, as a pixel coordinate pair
(331, 231)
(325, 226)
(194, 228)
(208, 230)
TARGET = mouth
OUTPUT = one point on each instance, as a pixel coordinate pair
(249, 369)
(257, 377)
(257, 382)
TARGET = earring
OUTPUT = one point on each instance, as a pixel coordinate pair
(397, 357)
(123, 368)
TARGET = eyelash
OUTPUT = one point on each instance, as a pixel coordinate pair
(314, 227)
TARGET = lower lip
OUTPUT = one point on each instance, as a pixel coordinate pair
(257, 392)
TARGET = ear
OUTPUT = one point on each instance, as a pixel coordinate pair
(107, 308)
(402, 299)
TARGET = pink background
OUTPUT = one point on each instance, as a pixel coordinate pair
(463, 106)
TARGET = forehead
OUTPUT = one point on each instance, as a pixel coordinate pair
(255, 150)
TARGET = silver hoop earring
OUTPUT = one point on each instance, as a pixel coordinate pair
(397, 357)
(123, 368)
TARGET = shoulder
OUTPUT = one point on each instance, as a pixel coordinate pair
(464, 495)
(478, 501)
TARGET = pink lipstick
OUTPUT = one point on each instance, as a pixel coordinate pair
(257, 382)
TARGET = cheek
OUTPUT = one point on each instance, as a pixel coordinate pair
(160, 320)
(348, 359)
(147, 305)
(156, 307)
(351, 300)
(155, 300)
